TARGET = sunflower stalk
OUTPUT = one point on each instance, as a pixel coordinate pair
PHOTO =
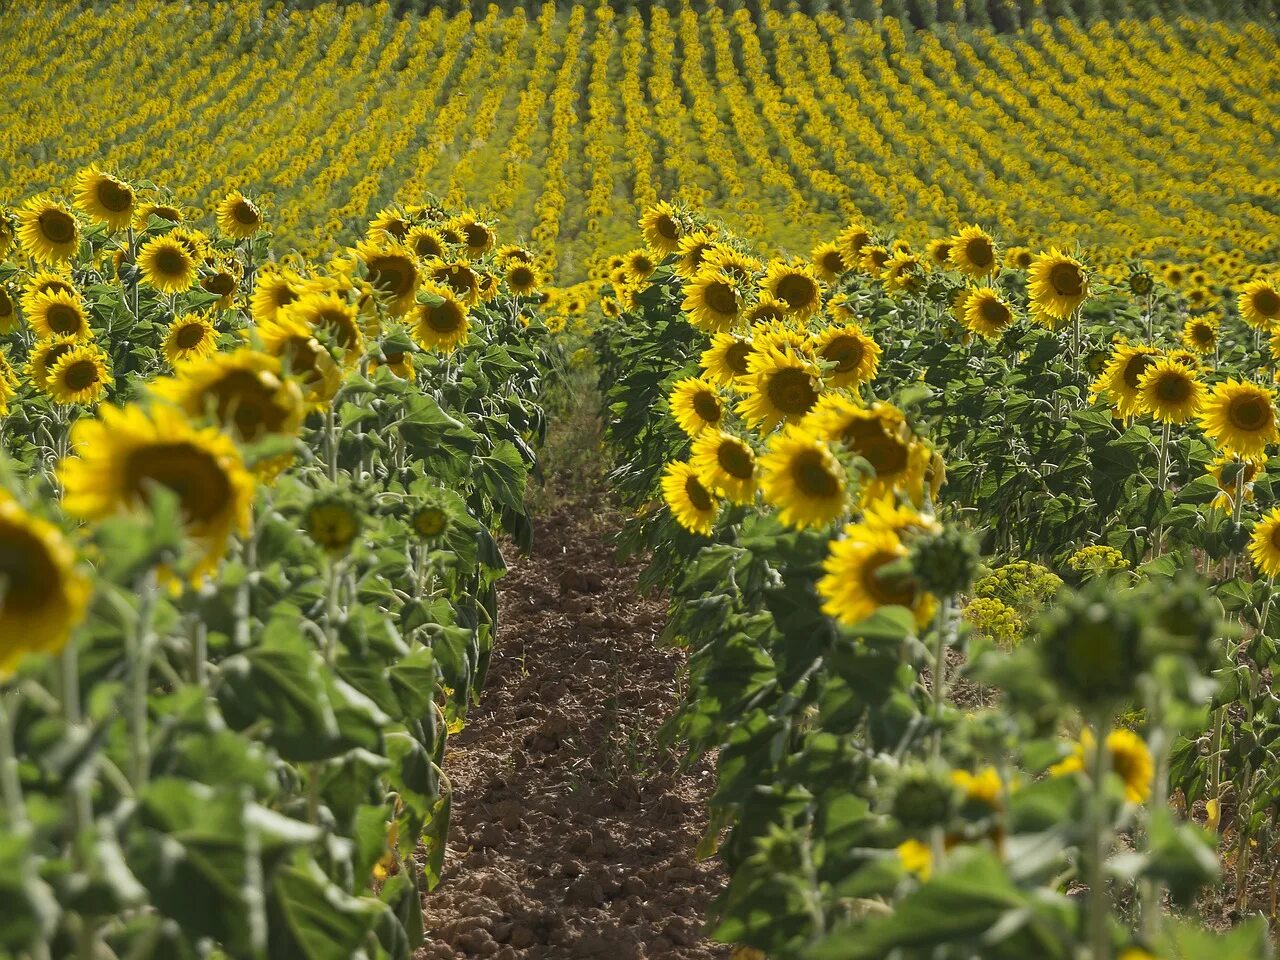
(15, 809)
(1099, 904)
(942, 628)
(142, 644)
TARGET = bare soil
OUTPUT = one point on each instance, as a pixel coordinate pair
(574, 832)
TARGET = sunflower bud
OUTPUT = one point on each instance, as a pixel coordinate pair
(1093, 644)
(923, 798)
(945, 563)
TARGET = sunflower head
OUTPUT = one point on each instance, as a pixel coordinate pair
(440, 320)
(477, 236)
(333, 317)
(795, 285)
(973, 252)
(694, 506)
(851, 241)
(105, 199)
(48, 231)
(58, 314)
(459, 276)
(866, 570)
(42, 357)
(938, 251)
(1241, 417)
(782, 385)
(521, 277)
(392, 221)
(986, 313)
(425, 242)
(854, 356)
(1058, 285)
(1092, 643)
(294, 343)
(1170, 392)
(189, 337)
(239, 217)
(1200, 334)
(692, 251)
(829, 262)
(801, 477)
(1259, 304)
(244, 392)
(662, 229)
(726, 465)
(725, 361)
(79, 377)
(333, 523)
(276, 287)
(696, 405)
(1122, 376)
(1264, 544)
(9, 318)
(713, 301)
(167, 264)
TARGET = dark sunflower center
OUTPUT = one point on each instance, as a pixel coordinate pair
(395, 358)
(694, 257)
(993, 312)
(791, 391)
(58, 226)
(641, 265)
(425, 245)
(879, 258)
(245, 213)
(735, 460)
(477, 236)
(858, 241)
(55, 286)
(460, 279)
(979, 252)
(1173, 388)
(1267, 302)
(171, 261)
(223, 284)
(721, 297)
(391, 274)
(813, 476)
(429, 522)
(249, 401)
(845, 352)
(6, 303)
(115, 196)
(1024, 260)
(194, 475)
(192, 335)
(735, 358)
(1203, 334)
(1135, 368)
(1249, 413)
(521, 277)
(797, 290)
(1066, 280)
(450, 236)
(304, 357)
(340, 325)
(64, 318)
(1275, 538)
(833, 262)
(887, 455)
(445, 318)
(80, 375)
(707, 406)
(667, 227)
(166, 213)
(697, 494)
(888, 589)
(55, 354)
(942, 253)
(28, 574)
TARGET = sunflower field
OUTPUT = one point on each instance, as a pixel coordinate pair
(938, 350)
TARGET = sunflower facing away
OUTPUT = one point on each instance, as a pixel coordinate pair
(1170, 392)
(1058, 285)
(796, 285)
(725, 464)
(189, 337)
(661, 228)
(1259, 304)
(104, 198)
(1121, 378)
(800, 476)
(725, 361)
(986, 313)
(692, 504)
(238, 216)
(42, 593)
(781, 386)
(856, 357)
(440, 321)
(58, 314)
(696, 405)
(1241, 417)
(167, 265)
(713, 301)
(973, 252)
(244, 392)
(48, 231)
(128, 452)
(79, 377)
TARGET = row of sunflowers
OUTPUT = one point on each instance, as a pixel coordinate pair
(973, 551)
(793, 122)
(247, 566)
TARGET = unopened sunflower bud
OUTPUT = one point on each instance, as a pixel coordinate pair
(945, 563)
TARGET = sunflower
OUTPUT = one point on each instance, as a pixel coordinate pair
(189, 337)
(973, 252)
(1058, 284)
(938, 251)
(781, 386)
(638, 264)
(514, 253)
(796, 285)
(222, 279)
(766, 309)
(333, 524)
(460, 277)
(1130, 760)
(1170, 392)
(879, 435)
(1264, 544)
(276, 287)
(1259, 304)
(829, 262)
(58, 314)
(290, 339)
(800, 476)
(851, 241)
(725, 464)
(48, 231)
(391, 221)
(44, 354)
(1234, 476)
(398, 362)
(903, 271)
(1241, 417)
(429, 521)
(1174, 275)
(46, 281)
(863, 572)
(521, 277)
(713, 301)
(740, 266)
(725, 361)
(439, 321)
(855, 356)
(8, 232)
(127, 452)
(660, 225)
(425, 242)
(163, 211)
(873, 259)
(79, 377)
(104, 198)
(43, 596)
(1200, 334)
(696, 405)
(243, 392)
(986, 313)
(1121, 379)
(692, 251)
(167, 265)
(334, 315)
(393, 273)
(8, 311)
(238, 216)
(477, 236)
(692, 504)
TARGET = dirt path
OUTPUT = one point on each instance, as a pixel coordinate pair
(573, 837)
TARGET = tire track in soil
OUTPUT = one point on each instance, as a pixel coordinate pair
(573, 835)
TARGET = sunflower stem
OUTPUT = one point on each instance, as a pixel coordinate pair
(1098, 902)
(1153, 890)
(15, 809)
(942, 626)
(143, 641)
(331, 443)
